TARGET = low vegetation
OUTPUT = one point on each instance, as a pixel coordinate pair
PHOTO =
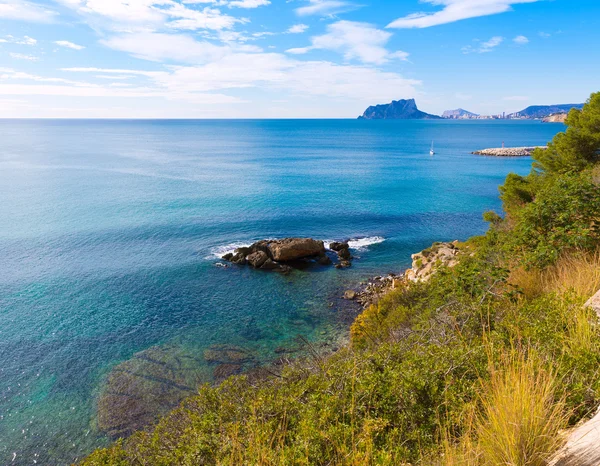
(484, 364)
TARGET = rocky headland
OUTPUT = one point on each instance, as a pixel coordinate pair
(397, 110)
(560, 117)
(283, 255)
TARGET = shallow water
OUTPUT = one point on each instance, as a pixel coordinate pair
(110, 232)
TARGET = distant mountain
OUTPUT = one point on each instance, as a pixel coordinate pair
(397, 110)
(459, 113)
(542, 111)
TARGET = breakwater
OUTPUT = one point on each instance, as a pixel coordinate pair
(508, 151)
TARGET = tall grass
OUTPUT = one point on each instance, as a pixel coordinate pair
(519, 421)
(521, 417)
(575, 271)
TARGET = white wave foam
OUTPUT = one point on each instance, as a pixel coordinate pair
(359, 244)
(363, 243)
(219, 251)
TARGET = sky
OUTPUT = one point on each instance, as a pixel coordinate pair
(292, 58)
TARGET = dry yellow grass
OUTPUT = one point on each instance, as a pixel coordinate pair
(576, 272)
(521, 418)
(519, 422)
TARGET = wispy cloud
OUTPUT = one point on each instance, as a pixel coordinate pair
(455, 10)
(69, 45)
(361, 41)
(248, 3)
(297, 29)
(274, 71)
(484, 47)
(22, 10)
(26, 40)
(521, 40)
(22, 56)
(147, 15)
(325, 7)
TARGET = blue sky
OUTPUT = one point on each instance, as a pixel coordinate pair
(292, 58)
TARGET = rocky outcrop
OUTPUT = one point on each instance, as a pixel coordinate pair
(424, 265)
(556, 118)
(397, 110)
(426, 262)
(508, 151)
(279, 255)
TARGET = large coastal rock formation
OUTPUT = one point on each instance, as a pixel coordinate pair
(279, 255)
(397, 110)
(426, 262)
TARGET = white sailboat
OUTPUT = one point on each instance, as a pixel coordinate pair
(431, 151)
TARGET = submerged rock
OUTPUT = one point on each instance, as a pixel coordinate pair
(138, 391)
(227, 354)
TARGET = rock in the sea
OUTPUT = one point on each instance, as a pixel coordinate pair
(344, 254)
(257, 259)
(350, 295)
(274, 254)
(338, 246)
(343, 265)
(290, 249)
(324, 260)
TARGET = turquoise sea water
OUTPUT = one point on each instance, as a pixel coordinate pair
(110, 232)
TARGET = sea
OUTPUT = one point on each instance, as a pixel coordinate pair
(114, 303)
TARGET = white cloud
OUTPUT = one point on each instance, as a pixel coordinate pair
(521, 40)
(26, 40)
(544, 35)
(484, 47)
(69, 45)
(22, 10)
(325, 7)
(22, 56)
(297, 29)
(274, 71)
(149, 15)
(354, 40)
(172, 47)
(248, 3)
(455, 10)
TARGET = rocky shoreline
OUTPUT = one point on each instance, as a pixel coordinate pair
(508, 151)
(424, 266)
